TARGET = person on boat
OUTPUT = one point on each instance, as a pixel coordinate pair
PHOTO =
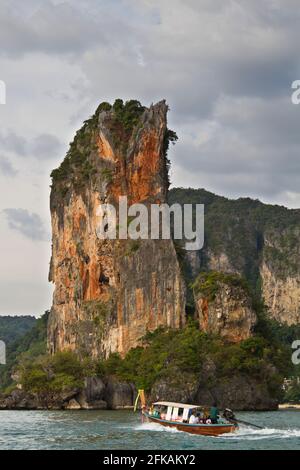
(205, 415)
(193, 418)
(214, 413)
(164, 412)
(197, 419)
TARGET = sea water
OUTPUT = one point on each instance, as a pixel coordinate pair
(124, 430)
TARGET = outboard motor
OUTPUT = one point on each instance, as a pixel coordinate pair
(229, 415)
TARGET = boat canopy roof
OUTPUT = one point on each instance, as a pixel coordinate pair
(175, 405)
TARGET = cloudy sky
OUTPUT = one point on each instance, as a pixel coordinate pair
(224, 66)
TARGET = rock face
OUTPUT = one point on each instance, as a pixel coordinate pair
(19, 399)
(280, 274)
(108, 293)
(94, 389)
(224, 306)
(258, 241)
(119, 395)
(73, 405)
(92, 396)
(97, 394)
(281, 295)
(240, 392)
(181, 388)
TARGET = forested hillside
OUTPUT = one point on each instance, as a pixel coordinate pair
(12, 327)
(31, 343)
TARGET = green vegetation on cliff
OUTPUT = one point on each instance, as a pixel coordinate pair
(167, 353)
(244, 230)
(292, 394)
(127, 115)
(208, 283)
(122, 119)
(77, 165)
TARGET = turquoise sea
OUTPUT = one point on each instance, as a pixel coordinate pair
(124, 430)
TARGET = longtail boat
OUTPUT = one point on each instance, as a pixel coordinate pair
(176, 415)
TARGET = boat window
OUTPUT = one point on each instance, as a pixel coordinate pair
(180, 413)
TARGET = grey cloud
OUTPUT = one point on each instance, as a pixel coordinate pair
(253, 148)
(193, 57)
(207, 48)
(30, 225)
(230, 64)
(60, 29)
(6, 167)
(43, 146)
(46, 145)
(12, 142)
(225, 68)
(244, 52)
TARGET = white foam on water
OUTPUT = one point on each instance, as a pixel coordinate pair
(243, 433)
(250, 434)
(154, 427)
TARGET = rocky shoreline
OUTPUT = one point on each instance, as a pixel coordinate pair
(240, 394)
(98, 394)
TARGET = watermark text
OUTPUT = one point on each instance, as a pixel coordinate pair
(2, 92)
(2, 352)
(152, 221)
(296, 353)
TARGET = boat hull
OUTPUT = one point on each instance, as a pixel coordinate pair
(200, 429)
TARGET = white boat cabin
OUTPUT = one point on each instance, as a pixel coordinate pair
(171, 411)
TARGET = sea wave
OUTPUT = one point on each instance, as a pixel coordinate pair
(154, 427)
(247, 433)
(243, 433)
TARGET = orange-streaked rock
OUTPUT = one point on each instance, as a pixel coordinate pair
(107, 293)
(229, 314)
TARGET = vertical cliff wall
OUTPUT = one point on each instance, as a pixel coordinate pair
(280, 272)
(108, 293)
(259, 241)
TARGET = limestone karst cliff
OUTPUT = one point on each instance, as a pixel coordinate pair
(258, 241)
(280, 271)
(108, 293)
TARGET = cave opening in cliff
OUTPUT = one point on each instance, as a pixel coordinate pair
(103, 280)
